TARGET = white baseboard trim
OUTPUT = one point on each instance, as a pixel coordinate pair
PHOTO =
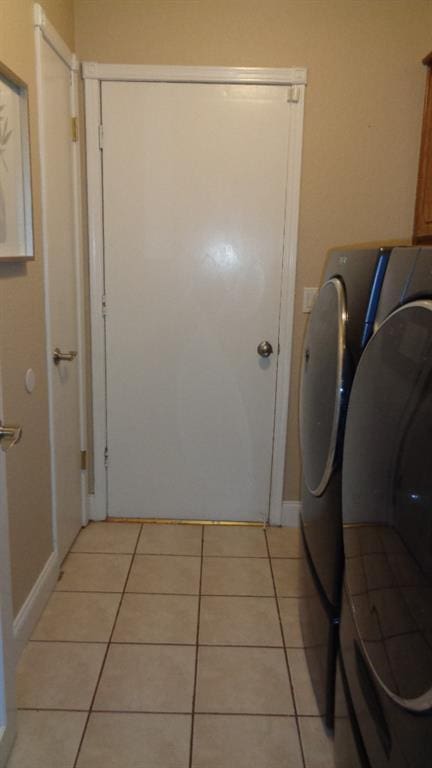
(32, 608)
(290, 517)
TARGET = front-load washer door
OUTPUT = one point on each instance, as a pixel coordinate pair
(387, 517)
(322, 386)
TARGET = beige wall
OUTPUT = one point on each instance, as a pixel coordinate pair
(363, 105)
(22, 331)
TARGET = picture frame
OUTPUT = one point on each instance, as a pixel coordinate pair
(16, 218)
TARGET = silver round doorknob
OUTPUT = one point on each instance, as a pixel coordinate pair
(265, 349)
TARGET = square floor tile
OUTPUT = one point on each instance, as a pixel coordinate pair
(284, 542)
(317, 743)
(157, 619)
(239, 621)
(136, 741)
(160, 539)
(165, 574)
(243, 680)
(147, 678)
(292, 578)
(378, 571)
(236, 576)
(234, 541)
(94, 573)
(304, 695)
(224, 741)
(290, 616)
(78, 616)
(47, 739)
(58, 675)
(118, 538)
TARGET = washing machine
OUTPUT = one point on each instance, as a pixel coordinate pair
(340, 325)
(385, 669)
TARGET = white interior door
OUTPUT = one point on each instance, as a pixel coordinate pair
(59, 237)
(194, 192)
(7, 656)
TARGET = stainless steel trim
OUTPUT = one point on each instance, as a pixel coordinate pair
(66, 356)
(420, 704)
(342, 315)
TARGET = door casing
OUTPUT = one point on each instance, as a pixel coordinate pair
(7, 647)
(94, 74)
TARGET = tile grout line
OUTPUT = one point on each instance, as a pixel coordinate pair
(169, 594)
(169, 644)
(75, 764)
(181, 554)
(286, 655)
(196, 651)
(164, 712)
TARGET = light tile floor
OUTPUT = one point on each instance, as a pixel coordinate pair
(171, 647)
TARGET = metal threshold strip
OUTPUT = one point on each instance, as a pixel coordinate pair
(166, 521)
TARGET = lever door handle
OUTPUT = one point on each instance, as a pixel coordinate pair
(67, 356)
(9, 436)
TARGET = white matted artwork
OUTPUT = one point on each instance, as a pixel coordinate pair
(16, 230)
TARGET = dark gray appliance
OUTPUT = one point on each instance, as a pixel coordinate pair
(340, 325)
(385, 669)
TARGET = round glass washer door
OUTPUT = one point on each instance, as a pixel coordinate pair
(387, 505)
(322, 385)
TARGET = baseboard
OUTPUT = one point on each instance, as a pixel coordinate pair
(291, 514)
(32, 608)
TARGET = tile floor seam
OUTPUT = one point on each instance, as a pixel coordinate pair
(108, 554)
(75, 764)
(85, 592)
(179, 645)
(96, 710)
(172, 594)
(286, 655)
(196, 651)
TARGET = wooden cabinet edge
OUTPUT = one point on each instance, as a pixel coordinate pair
(422, 228)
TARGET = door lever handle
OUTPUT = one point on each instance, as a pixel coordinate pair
(9, 436)
(67, 356)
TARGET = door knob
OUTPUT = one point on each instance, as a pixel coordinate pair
(59, 355)
(265, 349)
(9, 436)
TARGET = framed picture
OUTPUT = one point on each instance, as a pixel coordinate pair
(16, 226)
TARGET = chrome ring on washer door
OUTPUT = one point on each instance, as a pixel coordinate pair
(387, 506)
(322, 385)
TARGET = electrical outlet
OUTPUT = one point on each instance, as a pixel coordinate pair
(309, 296)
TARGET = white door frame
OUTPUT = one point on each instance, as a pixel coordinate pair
(7, 647)
(94, 74)
(44, 30)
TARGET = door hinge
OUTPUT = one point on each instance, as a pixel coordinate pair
(106, 457)
(101, 136)
(83, 460)
(74, 129)
(104, 305)
(293, 94)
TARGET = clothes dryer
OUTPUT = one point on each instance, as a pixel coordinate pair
(340, 325)
(385, 668)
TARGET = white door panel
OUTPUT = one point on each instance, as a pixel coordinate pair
(61, 300)
(194, 184)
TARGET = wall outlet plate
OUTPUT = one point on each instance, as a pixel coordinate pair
(309, 296)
